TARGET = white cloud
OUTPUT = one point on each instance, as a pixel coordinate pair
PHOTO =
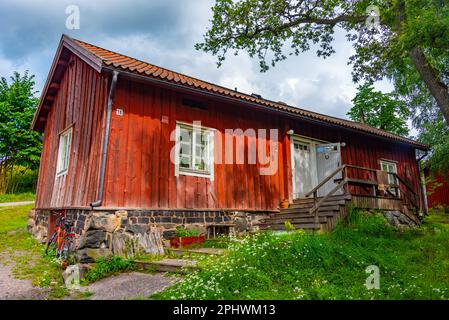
(6, 67)
(164, 33)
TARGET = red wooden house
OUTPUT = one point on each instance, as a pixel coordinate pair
(123, 134)
(437, 188)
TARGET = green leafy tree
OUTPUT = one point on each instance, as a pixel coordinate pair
(20, 147)
(380, 110)
(436, 135)
(403, 40)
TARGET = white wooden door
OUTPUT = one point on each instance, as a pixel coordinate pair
(303, 168)
(328, 159)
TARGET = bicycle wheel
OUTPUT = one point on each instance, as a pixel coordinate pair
(51, 242)
(67, 247)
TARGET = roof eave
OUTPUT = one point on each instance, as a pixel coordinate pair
(297, 115)
(88, 57)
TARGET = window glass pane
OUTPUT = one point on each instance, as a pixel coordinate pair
(185, 162)
(185, 149)
(185, 135)
(391, 168)
(193, 149)
(65, 141)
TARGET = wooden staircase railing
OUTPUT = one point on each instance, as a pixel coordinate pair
(411, 195)
(314, 191)
(375, 180)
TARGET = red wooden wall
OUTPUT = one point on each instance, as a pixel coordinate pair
(141, 175)
(80, 102)
(440, 195)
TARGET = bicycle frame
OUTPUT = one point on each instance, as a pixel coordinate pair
(60, 237)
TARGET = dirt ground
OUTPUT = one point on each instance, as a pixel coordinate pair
(16, 289)
(133, 285)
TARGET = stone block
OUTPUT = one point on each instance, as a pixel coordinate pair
(123, 222)
(137, 228)
(104, 221)
(143, 220)
(92, 239)
(30, 224)
(89, 255)
(32, 214)
(123, 244)
(167, 234)
(241, 224)
(122, 213)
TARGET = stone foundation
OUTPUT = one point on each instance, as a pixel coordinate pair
(38, 225)
(398, 219)
(102, 233)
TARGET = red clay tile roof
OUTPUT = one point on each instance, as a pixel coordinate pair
(121, 62)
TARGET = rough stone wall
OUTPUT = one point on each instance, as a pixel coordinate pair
(398, 219)
(126, 233)
(38, 225)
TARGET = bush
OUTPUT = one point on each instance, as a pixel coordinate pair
(183, 232)
(19, 180)
(106, 266)
(14, 197)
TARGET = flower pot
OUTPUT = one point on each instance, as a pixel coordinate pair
(180, 242)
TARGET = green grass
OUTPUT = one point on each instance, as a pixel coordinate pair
(413, 264)
(19, 247)
(12, 218)
(105, 267)
(15, 197)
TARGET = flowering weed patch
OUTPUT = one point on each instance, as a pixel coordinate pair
(413, 264)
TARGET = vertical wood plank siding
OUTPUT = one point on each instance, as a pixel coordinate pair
(81, 102)
(139, 173)
(440, 195)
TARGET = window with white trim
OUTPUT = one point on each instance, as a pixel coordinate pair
(194, 151)
(390, 167)
(65, 143)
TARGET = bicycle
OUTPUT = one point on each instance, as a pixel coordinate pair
(62, 240)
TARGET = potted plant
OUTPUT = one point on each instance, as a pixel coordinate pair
(186, 237)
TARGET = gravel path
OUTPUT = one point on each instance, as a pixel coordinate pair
(15, 289)
(13, 204)
(129, 286)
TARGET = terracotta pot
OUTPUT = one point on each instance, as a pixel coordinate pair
(180, 242)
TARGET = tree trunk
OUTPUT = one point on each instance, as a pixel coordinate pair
(438, 89)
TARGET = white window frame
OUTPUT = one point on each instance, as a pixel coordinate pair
(210, 151)
(395, 166)
(62, 166)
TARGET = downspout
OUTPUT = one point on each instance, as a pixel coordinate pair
(423, 183)
(106, 141)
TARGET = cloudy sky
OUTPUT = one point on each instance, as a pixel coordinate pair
(163, 32)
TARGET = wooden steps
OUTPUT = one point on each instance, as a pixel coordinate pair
(306, 208)
(188, 252)
(333, 209)
(168, 265)
(182, 265)
(333, 198)
(303, 226)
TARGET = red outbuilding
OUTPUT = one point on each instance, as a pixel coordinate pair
(437, 189)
